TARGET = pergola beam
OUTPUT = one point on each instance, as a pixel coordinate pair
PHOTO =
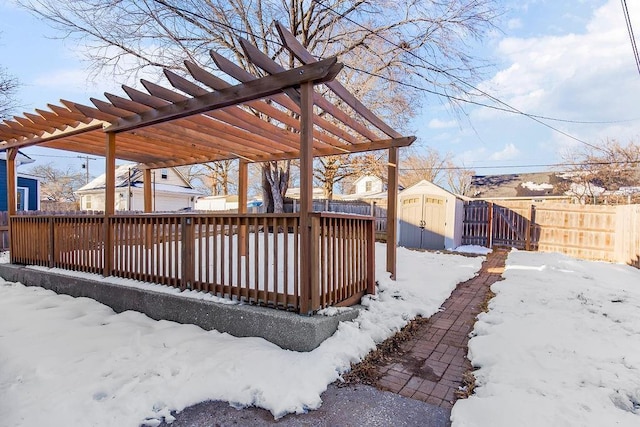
(319, 72)
(283, 100)
(305, 57)
(261, 60)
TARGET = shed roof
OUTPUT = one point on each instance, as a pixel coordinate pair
(205, 118)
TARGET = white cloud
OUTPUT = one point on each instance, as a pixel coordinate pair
(514, 24)
(589, 76)
(441, 124)
(509, 152)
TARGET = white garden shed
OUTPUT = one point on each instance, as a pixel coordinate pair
(430, 217)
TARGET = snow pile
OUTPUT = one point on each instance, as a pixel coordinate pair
(72, 361)
(4, 257)
(560, 346)
(537, 187)
(473, 249)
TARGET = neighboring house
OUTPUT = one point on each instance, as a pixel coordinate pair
(368, 188)
(169, 189)
(28, 186)
(217, 203)
(537, 187)
(294, 193)
(430, 217)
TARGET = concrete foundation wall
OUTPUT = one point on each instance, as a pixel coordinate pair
(285, 329)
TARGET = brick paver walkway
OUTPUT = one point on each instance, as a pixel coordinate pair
(433, 362)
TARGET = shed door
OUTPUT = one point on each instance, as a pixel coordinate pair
(422, 222)
(434, 222)
(410, 218)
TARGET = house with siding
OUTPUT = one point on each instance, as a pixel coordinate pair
(28, 186)
(170, 191)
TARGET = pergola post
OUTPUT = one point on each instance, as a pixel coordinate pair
(11, 190)
(308, 266)
(243, 189)
(146, 180)
(109, 201)
(11, 180)
(392, 211)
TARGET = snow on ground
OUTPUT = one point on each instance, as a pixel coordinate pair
(71, 361)
(560, 346)
(473, 249)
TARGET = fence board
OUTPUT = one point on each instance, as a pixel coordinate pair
(4, 231)
(603, 233)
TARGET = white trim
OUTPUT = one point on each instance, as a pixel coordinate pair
(25, 199)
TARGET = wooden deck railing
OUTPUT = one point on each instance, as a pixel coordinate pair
(347, 259)
(254, 258)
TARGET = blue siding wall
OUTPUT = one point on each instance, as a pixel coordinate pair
(3, 185)
(32, 185)
(29, 183)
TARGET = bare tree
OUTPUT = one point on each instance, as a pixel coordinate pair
(590, 172)
(458, 178)
(419, 164)
(8, 88)
(58, 185)
(214, 178)
(392, 47)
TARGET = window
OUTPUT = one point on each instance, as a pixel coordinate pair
(164, 174)
(87, 202)
(22, 202)
(368, 186)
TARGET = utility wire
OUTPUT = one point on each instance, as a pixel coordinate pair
(439, 70)
(493, 107)
(458, 99)
(627, 19)
(548, 165)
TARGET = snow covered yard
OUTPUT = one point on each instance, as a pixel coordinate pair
(72, 361)
(560, 346)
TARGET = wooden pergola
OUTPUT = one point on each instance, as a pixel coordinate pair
(206, 119)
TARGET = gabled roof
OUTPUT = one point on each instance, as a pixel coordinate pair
(131, 175)
(21, 158)
(538, 184)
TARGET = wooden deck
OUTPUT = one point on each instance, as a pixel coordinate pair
(252, 258)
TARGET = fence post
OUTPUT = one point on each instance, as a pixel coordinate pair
(187, 244)
(528, 230)
(52, 235)
(314, 282)
(490, 225)
(371, 257)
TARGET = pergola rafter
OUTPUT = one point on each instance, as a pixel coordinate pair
(206, 118)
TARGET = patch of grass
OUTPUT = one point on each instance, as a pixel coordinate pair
(484, 307)
(468, 386)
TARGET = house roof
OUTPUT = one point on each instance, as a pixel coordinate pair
(204, 118)
(21, 158)
(429, 184)
(537, 184)
(131, 175)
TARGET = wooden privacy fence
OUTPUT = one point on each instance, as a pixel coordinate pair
(606, 233)
(490, 224)
(252, 258)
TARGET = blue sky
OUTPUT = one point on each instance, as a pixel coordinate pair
(569, 60)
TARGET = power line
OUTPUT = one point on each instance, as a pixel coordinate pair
(439, 70)
(548, 165)
(627, 19)
(509, 110)
(493, 107)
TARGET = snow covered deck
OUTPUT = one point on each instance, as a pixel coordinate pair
(255, 259)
